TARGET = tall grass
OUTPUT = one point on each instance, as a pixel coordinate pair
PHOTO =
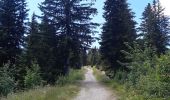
(66, 88)
(118, 88)
(72, 78)
(123, 92)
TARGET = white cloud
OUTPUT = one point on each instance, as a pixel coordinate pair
(166, 5)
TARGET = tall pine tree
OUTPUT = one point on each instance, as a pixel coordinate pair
(47, 56)
(33, 40)
(155, 27)
(93, 57)
(72, 20)
(13, 13)
(118, 29)
(42, 47)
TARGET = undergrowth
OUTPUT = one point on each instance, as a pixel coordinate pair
(66, 88)
(121, 90)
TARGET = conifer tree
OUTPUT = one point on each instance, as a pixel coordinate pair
(93, 57)
(155, 27)
(118, 29)
(48, 51)
(33, 40)
(13, 13)
(72, 20)
(42, 47)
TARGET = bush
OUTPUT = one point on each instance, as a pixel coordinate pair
(155, 84)
(149, 74)
(33, 78)
(163, 75)
(7, 83)
(120, 76)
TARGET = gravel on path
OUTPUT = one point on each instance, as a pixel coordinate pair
(92, 90)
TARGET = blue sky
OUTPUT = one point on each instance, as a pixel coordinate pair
(137, 6)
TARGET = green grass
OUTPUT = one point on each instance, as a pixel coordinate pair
(119, 89)
(66, 89)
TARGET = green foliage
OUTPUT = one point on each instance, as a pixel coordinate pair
(66, 88)
(73, 31)
(155, 27)
(118, 28)
(33, 40)
(20, 71)
(7, 83)
(33, 78)
(13, 14)
(46, 93)
(100, 76)
(149, 74)
(93, 57)
(71, 78)
(120, 76)
(140, 63)
(46, 58)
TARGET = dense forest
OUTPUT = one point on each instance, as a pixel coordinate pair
(35, 52)
(41, 51)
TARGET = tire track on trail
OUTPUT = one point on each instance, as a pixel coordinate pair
(92, 90)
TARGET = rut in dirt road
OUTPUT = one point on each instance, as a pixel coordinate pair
(93, 90)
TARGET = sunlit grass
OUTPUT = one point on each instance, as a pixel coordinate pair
(65, 91)
(117, 88)
(120, 89)
(47, 93)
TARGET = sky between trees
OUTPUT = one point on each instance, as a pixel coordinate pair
(137, 6)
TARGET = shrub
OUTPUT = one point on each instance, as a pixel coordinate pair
(120, 76)
(163, 72)
(7, 83)
(33, 78)
(140, 62)
(155, 84)
(149, 74)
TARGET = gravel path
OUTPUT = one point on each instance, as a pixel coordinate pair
(93, 90)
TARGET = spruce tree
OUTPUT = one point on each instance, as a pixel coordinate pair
(155, 27)
(48, 57)
(12, 16)
(42, 47)
(118, 29)
(72, 20)
(33, 40)
(93, 57)
(84, 57)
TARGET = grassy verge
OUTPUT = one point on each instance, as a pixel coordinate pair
(119, 89)
(66, 88)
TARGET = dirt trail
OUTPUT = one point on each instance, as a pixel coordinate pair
(93, 90)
